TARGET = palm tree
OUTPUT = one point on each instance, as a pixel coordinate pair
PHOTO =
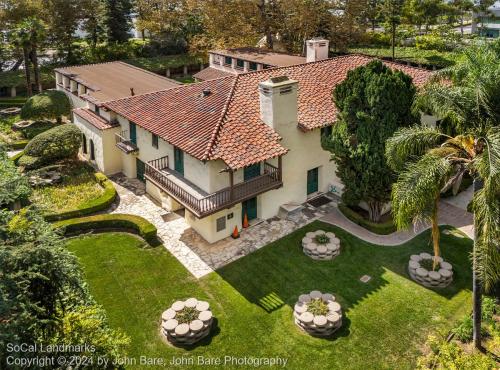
(21, 38)
(467, 93)
(430, 162)
(37, 35)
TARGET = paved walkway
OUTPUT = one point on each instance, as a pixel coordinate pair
(448, 215)
(201, 258)
(198, 256)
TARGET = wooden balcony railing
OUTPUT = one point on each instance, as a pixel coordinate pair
(124, 143)
(224, 198)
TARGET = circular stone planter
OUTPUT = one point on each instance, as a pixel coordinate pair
(321, 251)
(10, 111)
(186, 333)
(431, 279)
(20, 125)
(318, 325)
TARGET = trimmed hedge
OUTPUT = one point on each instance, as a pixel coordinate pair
(131, 223)
(383, 228)
(16, 157)
(59, 142)
(18, 145)
(95, 205)
(51, 104)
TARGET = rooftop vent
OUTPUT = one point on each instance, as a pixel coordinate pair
(279, 79)
(206, 92)
(132, 93)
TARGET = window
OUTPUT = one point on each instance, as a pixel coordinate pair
(154, 140)
(253, 66)
(240, 63)
(221, 224)
(84, 144)
(227, 60)
(92, 150)
(97, 110)
(326, 131)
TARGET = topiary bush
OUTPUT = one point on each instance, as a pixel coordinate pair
(60, 142)
(106, 222)
(37, 128)
(51, 104)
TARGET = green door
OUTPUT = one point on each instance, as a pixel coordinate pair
(312, 181)
(140, 169)
(251, 171)
(250, 208)
(179, 160)
(133, 133)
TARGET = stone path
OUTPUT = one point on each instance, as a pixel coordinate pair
(198, 256)
(201, 258)
(448, 215)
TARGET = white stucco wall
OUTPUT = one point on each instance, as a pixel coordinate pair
(207, 227)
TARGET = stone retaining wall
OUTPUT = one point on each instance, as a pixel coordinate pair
(319, 251)
(431, 279)
(318, 325)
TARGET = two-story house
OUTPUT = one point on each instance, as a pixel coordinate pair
(224, 63)
(221, 149)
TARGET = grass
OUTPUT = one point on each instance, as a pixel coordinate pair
(411, 54)
(77, 187)
(7, 135)
(386, 321)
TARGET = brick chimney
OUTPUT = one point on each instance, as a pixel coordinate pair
(278, 103)
(316, 49)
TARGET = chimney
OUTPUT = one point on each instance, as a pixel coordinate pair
(316, 49)
(278, 103)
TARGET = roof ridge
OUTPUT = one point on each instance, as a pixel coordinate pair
(86, 65)
(216, 131)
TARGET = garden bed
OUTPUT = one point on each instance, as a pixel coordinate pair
(81, 192)
(360, 216)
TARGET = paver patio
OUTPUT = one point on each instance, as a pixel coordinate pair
(201, 258)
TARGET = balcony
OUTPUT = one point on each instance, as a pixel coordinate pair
(199, 202)
(125, 144)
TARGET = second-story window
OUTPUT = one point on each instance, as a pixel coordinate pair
(240, 63)
(154, 141)
(97, 110)
(253, 66)
(227, 60)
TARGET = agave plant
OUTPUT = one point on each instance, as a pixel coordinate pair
(430, 162)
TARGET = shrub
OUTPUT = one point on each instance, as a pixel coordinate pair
(13, 185)
(317, 307)
(186, 315)
(430, 42)
(132, 223)
(37, 128)
(489, 308)
(463, 331)
(98, 204)
(51, 104)
(60, 142)
(383, 228)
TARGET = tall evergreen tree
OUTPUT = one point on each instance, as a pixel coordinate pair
(367, 117)
(118, 20)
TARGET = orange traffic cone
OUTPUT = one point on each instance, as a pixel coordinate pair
(245, 221)
(236, 233)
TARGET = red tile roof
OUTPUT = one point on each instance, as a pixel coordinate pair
(211, 73)
(226, 125)
(94, 119)
(182, 116)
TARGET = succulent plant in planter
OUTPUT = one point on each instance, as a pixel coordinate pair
(317, 307)
(322, 239)
(186, 315)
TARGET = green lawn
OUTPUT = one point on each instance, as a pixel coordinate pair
(386, 321)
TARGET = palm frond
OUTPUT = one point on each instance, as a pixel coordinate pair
(486, 255)
(418, 186)
(410, 143)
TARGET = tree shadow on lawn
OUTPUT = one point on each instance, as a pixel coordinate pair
(278, 273)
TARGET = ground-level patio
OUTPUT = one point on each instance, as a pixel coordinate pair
(202, 258)
(386, 320)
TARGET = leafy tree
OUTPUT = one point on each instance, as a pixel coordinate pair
(93, 12)
(367, 117)
(50, 104)
(429, 162)
(391, 11)
(461, 8)
(62, 18)
(13, 185)
(118, 20)
(21, 38)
